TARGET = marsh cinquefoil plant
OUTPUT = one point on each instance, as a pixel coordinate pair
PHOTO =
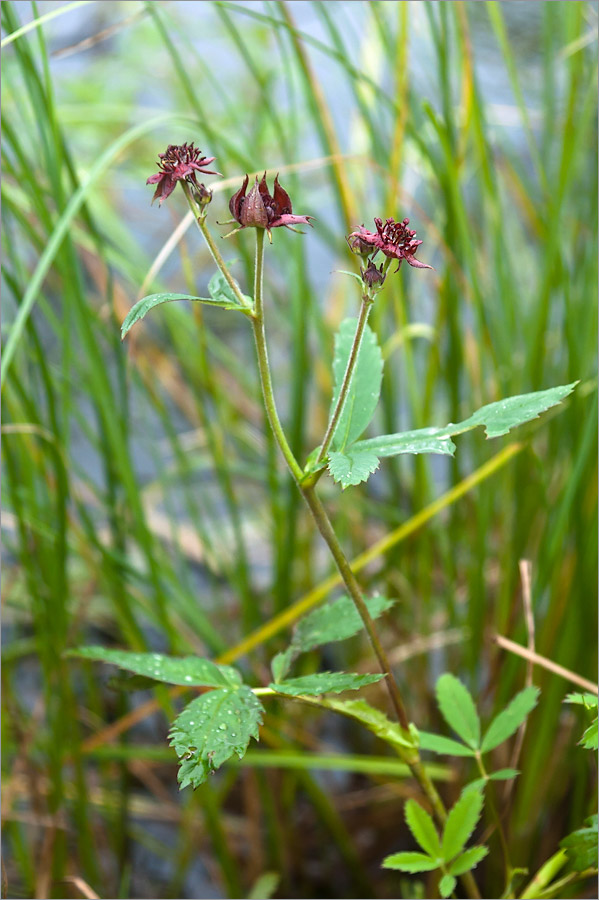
(220, 722)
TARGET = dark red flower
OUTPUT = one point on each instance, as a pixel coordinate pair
(392, 238)
(179, 163)
(260, 210)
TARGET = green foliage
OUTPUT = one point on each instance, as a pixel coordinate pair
(143, 306)
(410, 861)
(365, 387)
(447, 854)
(211, 729)
(354, 464)
(500, 775)
(187, 670)
(467, 860)
(590, 737)
(516, 262)
(503, 415)
(335, 621)
(439, 744)
(460, 824)
(324, 683)
(458, 709)
(221, 292)
(423, 440)
(446, 885)
(581, 846)
(423, 828)
(508, 721)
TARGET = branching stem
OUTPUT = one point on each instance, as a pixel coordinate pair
(322, 521)
(200, 218)
(347, 377)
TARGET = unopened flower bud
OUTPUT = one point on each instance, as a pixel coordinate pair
(202, 195)
(357, 244)
(371, 276)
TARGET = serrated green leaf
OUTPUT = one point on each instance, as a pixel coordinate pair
(498, 418)
(186, 670)
(374, 720)
(589, 701)
(590, 736)
(365, 387)
(446, 746)
(423, 440)
(211, 729)
(222, 293)
(123, 681)
(581, 846)
(324, 683)
(460, 824)
(334, 621)
(467, 860)
(447, 885)
(423, 828)
(458, 709)
(509, 720)
(352, 466)
(479, 784)
(410, 862)
(503, 774)
(139, 310)
(503, 415)
(281, 663)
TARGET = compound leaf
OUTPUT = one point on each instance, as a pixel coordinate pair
(458, 709)
(185, 670)
(509, 720)
(213, 728)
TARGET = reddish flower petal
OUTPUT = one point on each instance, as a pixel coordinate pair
(412, 261)
(282, 202)
(253, 211)
(236, 201)
(288, 219)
